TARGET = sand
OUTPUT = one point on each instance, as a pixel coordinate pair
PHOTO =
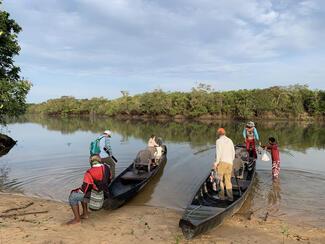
(134, 224)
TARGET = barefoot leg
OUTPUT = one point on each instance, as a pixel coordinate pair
(85, 213)
(75, 210)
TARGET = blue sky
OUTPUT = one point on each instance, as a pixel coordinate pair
(90, 48)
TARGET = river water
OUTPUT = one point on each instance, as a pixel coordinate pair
(52, 155)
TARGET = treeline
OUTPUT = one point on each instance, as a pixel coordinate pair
(275, 102)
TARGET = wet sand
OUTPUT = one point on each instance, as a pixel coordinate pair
(135, 224)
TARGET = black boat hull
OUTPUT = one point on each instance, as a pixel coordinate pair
(189, 230)
(199, 218)
(6, 143)
(122, 193)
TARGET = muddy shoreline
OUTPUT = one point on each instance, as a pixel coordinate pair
(33, 220)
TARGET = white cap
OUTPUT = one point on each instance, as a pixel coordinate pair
(108, 132)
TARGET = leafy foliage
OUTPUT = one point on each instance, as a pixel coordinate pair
(274, 102)
(13, 88)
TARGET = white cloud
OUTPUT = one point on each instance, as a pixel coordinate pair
(166, 39)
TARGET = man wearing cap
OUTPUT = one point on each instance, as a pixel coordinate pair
(105, 145)
(250, 134)
(105, 151)
(225, 155)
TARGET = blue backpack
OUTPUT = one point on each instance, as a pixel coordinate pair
(95, 147)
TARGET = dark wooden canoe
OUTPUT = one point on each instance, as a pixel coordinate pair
(206, 210)
(127, 184)
(6, 143)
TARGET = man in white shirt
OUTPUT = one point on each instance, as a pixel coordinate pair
(225, 155)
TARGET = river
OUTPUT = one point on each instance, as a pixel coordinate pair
(52, 154)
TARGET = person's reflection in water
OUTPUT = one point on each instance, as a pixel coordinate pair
(274, 197)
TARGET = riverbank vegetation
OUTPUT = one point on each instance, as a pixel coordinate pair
(295, 102)
(13, 88)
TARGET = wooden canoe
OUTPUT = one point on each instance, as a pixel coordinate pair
(127, 184)
(206, 210)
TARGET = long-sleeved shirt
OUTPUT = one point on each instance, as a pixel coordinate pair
(274, 151)
(256, 136)
(105, 142)
(225, 150)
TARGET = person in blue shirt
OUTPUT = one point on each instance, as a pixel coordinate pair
(102, 147)
(251, 136)
(105, 144)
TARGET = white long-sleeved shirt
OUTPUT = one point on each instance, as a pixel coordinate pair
(225, 150)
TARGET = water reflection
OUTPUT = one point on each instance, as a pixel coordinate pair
(8, 184)
(291, 135)
(274, 197)
(296, 197)
(52, 155)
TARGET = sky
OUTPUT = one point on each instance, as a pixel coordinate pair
(92, 48)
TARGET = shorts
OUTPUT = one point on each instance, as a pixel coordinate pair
(76, 197)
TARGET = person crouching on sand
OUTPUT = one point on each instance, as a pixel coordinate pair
(97, 177)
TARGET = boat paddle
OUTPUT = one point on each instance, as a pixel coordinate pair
(109, 154)
(204, 150)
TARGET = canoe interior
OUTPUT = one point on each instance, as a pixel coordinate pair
(127, 184)
(130, 179)
(206, 210)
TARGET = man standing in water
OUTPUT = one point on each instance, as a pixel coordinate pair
(102, 147)
(275, 154)
(225, 155)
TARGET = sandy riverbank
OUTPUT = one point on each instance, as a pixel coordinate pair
(133, 224)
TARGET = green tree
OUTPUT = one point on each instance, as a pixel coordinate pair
(274, 102)
(13, 88)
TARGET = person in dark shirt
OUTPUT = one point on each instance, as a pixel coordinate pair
(97, 178)
(275, 155)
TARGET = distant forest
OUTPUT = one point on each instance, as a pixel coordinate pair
(295, 102)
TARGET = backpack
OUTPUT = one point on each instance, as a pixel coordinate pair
(95, 147)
